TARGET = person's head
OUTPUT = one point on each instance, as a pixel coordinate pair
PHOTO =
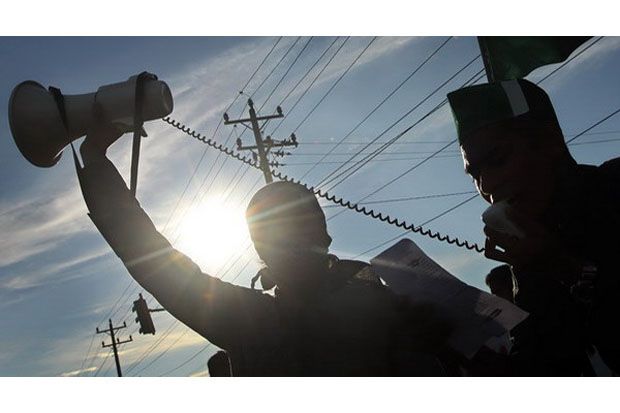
(289, 232)
(511, 142)
(219, 365)
(499, 280)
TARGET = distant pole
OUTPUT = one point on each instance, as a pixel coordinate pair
(115, 343)
(263, 146)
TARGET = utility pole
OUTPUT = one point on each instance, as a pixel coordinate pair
(262, 146)
(115, 342)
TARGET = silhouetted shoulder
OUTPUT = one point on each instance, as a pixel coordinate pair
(611, 168)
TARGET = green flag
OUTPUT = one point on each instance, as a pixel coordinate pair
(507, 58)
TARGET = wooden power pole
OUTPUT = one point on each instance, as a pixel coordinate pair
(115, 343)
(263, 146)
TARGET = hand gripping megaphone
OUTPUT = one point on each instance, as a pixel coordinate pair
(44, 121)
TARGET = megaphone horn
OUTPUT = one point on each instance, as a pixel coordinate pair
(41, 133)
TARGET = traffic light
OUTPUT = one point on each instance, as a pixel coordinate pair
(143, 316)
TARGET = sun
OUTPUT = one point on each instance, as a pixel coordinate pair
(213, 233)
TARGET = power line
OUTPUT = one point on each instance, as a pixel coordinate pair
(102, 364)
(286, 73)
(333, 175)
(396, 178)
(411, 198)
(313, 81)
(389, 159)
(296, 154)
(430, 142)
(275, 67)
(308, 71)
(335, 83)
(385, 99)
(612, 114)
(360, 164)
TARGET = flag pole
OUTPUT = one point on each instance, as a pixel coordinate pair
(484, 52)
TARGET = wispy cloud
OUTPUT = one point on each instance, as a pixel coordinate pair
(78, 372)
(28, 231)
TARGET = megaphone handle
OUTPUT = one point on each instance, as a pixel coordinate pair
(135, 157)
(137, 131)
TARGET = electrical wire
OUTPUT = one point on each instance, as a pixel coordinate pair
(385, 99)
(102, 364)
(286, 73)
(342, 75)
(334, 174)
(411, 198)
(325, 66)
(360, 164)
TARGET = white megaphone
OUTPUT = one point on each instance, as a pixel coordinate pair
(41, 133)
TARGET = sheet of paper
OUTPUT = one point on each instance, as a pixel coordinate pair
(476, 315)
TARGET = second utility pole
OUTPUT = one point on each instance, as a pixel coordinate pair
(115, 342)
(260, 143)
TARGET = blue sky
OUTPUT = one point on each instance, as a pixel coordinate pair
(58, 278)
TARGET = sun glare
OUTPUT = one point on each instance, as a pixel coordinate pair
(213, 233)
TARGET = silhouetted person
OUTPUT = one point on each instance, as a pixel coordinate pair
(219, 365)
(327, 317)
(499, 280)
(565, 263)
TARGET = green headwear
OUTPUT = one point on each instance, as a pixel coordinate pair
(478, 106)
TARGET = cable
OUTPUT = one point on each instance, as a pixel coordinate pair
(332, 176)
(308, 71)
(441, 214)
(450, 156)
(286, 72)
(274, 68)
(307, 142)
(102, 364)
(615, 112)
(412, 198)
(335, 83)
(385, 99)
(360, 164)
(399, 176)
(323, 194)
(312, 83)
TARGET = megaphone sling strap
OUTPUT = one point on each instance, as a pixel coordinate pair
(60, 104)
(137, 131)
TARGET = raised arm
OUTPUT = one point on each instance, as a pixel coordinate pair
(219, 311)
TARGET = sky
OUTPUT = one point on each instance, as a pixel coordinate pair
(58, 278)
